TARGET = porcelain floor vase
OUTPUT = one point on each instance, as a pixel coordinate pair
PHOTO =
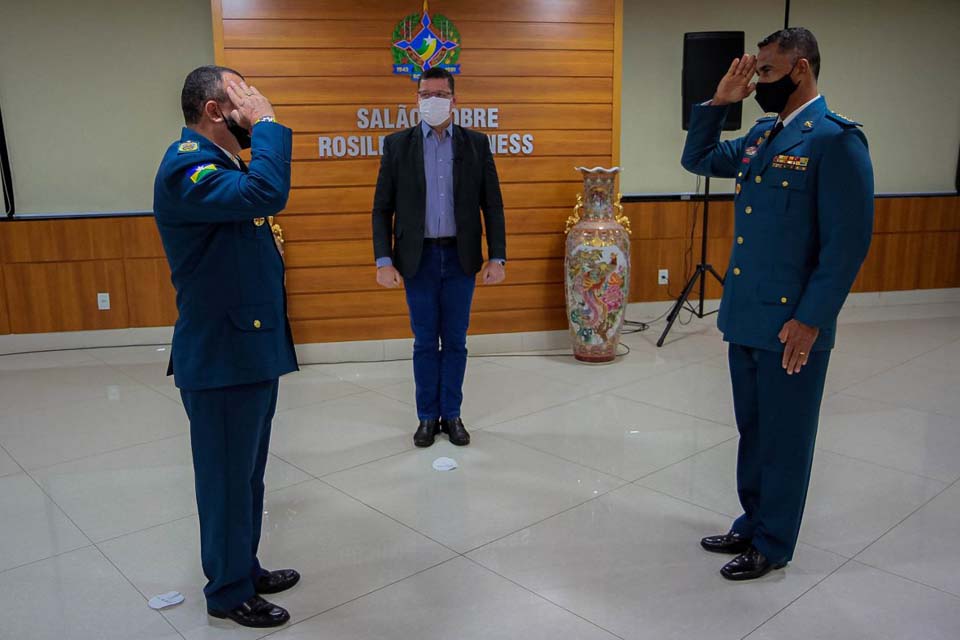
(597, 267)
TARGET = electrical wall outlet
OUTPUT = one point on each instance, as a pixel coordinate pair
(663, 277)
(103, 301)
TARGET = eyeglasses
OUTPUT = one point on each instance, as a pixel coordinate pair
(434, 94)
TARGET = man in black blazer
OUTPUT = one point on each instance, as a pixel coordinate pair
(435, 180)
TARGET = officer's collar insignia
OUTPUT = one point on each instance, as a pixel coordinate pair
(200, 171)
(187, 146)
(808, 124)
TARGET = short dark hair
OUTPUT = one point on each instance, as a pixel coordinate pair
(202, 84)
(437, 72)
(798, 40)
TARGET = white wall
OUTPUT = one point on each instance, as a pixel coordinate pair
(892, 65)
(90, 91)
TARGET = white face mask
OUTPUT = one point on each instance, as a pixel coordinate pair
(435, 111)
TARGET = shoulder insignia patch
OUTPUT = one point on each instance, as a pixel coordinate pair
(186, 147)
(201, 171)
(842, 120)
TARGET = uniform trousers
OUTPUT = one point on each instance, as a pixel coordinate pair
(777, 417)
(230, 438)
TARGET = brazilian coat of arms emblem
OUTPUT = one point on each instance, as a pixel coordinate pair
(422, 42)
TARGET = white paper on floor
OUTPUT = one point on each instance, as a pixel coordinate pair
(444, 464)
(166, 600)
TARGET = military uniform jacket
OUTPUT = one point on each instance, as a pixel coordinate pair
(232, 327)
(803, 219)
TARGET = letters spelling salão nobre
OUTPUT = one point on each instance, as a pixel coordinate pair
(357, 146)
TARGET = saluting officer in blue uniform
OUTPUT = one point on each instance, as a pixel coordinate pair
(232, 340)
(804, 218)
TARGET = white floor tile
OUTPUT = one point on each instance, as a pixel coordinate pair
(124, 491)
(615, 435)
(896, 340)
(860, 603)
(31, 526)
(500, 487)
(45, 360)
(631, 563)
(897, 437)
(914, 386)
(76, 596)
(699, 390)
(459, 600)
(946, 358)
(58, 433)
(7, 464)
(639, 364)
(339, 434)
(924, 547)
(27, 390)
(492, 396)
(539, 495)
(342, 549)
(851, 503)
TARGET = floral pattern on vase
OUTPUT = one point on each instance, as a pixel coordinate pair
(597, 268)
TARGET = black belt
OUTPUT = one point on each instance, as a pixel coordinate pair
(449, 241)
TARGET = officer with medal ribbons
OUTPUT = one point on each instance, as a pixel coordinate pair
(803, 224)
(232, 339)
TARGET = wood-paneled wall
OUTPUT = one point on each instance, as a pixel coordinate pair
(550, 66)
(916, 245)
(52, 270)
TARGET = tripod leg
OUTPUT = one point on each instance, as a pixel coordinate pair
(715, 274)
(672, 316)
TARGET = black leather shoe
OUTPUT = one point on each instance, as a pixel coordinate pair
(426, 433)
(456, 431)
(727, 543)
(255, 612)
(276, 581)
(749, 565)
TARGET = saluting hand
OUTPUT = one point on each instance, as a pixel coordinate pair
(736, 85)
(251, 105)
(798, 339)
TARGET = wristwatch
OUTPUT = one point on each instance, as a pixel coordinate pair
(265, 119)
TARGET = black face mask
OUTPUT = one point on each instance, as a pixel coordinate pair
(240, 133)
(773, 96)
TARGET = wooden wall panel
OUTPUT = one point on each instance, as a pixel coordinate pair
(575, 11)
(371, 34)
(62, 296)
(320, 173)
(286, 91)
(512, 117)
(4, 315)
(141, 238)
(549, 66)
(547, 143)
(370, 62)
(61, 240)
(150, 294)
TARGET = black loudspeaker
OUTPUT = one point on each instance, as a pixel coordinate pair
(706, 57)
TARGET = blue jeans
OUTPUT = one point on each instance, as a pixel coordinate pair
(439, 298)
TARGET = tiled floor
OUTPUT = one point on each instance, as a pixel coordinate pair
(575, 513)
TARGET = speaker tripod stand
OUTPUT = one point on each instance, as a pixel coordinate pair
(700, 274)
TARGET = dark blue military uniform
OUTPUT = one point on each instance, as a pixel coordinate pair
(232, 340)
(803, 224)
